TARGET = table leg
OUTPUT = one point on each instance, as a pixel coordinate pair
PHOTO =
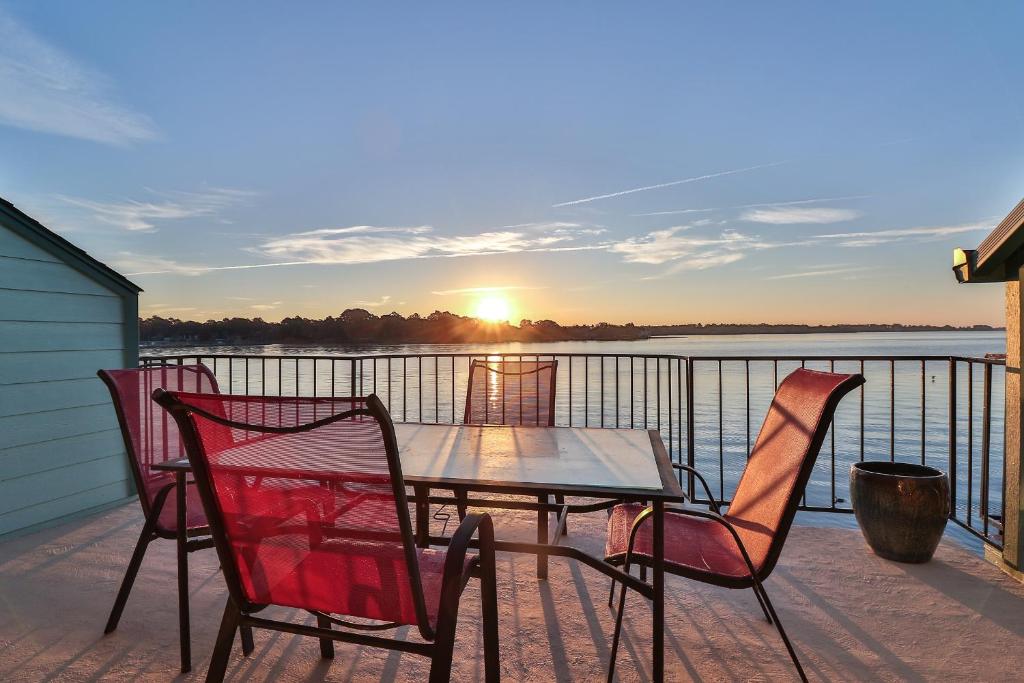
(422, 516)
(658, 628)
(182, 538)
(542, 537)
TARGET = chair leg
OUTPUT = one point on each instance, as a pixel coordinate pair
(782, 632)
(489, 605)
(326, 644)
(222, 649)
(461, 504)
(618, 629)
(129, 575)
(611, 593)
(184, 632)
(245, 633)
(441, 662)
(760, 601)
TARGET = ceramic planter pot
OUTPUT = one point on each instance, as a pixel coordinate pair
(901, 508)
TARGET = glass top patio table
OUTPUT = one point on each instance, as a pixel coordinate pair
(540, 461)
(570, 460)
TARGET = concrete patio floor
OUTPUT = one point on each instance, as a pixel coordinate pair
(851, 615)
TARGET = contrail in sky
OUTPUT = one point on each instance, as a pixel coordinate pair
(684, 181)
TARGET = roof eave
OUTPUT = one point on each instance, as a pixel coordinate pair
(39, 234)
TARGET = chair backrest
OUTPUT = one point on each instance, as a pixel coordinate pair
(150, 434)
(780, 464)
(511, 392)
(312, 514)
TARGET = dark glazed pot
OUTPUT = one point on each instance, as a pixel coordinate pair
(901, 508)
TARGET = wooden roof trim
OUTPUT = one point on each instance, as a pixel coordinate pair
(1006, 238)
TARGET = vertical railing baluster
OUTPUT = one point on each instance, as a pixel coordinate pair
(747, 388)
(892, 411)
(832, 430)
(691, 442)
(571, 389)
(721, 438)
(923, 412)
(970, 444)
(953, 474)
(617, 405)
(602, 390)
(645, 392)
(586, 391)
(657, 393)
(862, 412)
(986, 436)
(632, 396)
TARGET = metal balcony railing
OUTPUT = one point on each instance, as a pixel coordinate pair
(936, 410)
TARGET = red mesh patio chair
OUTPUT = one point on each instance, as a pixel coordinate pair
(739, 548)
(351, 562)
(151, 437)
(512, 393)
(506, 392)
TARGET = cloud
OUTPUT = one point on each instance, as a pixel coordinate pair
(821, 271)
(341, 246)
(686, 252)
(793, 215)
(45, 90)
(672, 183)
(383, 301)
(266, 307)
(822, 200)
(483, 290)
(921, 234)
(140, 216)
(373, 244)
(662, 246)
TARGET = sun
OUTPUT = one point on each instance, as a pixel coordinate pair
(493, 309)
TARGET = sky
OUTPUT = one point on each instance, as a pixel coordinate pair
(585, 162)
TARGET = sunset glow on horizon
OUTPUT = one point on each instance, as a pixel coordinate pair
(493, 309)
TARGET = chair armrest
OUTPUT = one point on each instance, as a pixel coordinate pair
(714, 516)
(453, 578)
(712, 503)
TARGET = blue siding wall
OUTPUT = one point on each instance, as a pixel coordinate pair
(60, 448)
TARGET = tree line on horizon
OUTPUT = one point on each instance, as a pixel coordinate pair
(359, 326)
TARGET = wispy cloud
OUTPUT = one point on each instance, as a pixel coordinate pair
(383, 301)
(45, 90)
(821, 271)
(375, 244)
(332, 246)
(266, 307)
(792, 215)
(672, 183)
(921, 234)
(469, 291)
(142, 216)
(798, 202)
(684, 251)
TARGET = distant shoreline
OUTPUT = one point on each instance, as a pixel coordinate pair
(632, 333)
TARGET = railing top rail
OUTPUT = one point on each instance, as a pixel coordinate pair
(516, 354)
(438, 354)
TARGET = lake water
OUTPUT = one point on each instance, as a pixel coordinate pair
(904, 407)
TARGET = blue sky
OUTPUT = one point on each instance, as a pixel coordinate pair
(791, 162)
